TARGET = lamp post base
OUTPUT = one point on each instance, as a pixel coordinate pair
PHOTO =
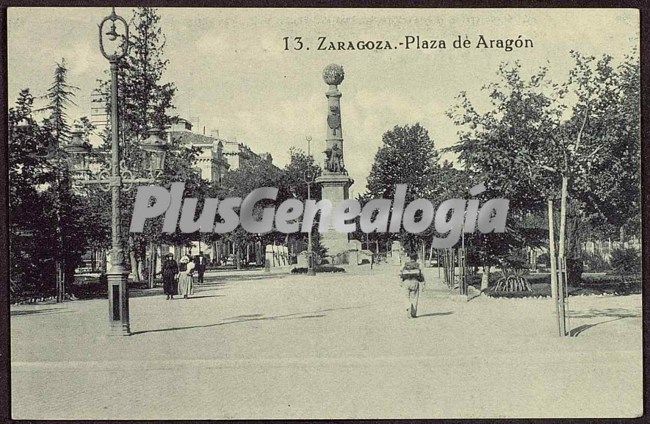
(118, 304)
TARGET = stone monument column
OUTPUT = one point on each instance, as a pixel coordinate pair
(334, 181)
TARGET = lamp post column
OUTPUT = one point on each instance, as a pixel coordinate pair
(310, 254)
(308, 180)
(118, 293)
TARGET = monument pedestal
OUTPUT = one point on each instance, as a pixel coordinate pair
(335, 188)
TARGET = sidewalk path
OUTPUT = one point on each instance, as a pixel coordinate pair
(331, 346)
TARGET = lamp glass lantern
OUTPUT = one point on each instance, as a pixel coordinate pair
(155, 149)
(78, 151)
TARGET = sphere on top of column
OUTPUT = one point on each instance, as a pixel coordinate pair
(333, 74)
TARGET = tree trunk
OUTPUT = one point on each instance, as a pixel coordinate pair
(102, 260)
(621, 234)
(574, 249)
(135, 271)
(152, 265)
(485, 277)
(551, 254)
(142, 265)
(561, 257)
(422, 256)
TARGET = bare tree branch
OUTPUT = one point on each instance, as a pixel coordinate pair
(584, 122)
(594, 152)
(548, 168)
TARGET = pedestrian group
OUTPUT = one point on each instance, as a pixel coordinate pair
(178, 278)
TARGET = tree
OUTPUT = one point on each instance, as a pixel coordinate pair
(599, 131)
(29, 238)
(40, 200)
(301, 167)
(506, 148)
(292, 181)
(51, 188)
(539, 133)
(504, 145)
(179, 167)
(251, 175)
(609, 185)
(407, 156)
(59, 96)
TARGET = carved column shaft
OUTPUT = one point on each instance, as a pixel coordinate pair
(333, 75)
(334, 126)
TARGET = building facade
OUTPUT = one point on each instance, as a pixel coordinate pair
(218, 155)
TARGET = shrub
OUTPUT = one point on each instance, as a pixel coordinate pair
(364, 261)
(515, 260)
(320, 268)
(574, 270)
(341, 258)
(595, 263)
(544, 259)
(626, 261)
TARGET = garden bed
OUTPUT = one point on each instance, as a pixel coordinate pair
(319, 268)
(591, 284)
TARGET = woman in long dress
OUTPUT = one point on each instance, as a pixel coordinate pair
(169, 274)
(185, 278)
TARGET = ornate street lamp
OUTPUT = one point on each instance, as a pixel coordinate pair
(118, 295)
(112, 29)
(155, 152)
(77, 151)
(309, 178)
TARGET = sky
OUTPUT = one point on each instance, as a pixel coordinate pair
(233, 73)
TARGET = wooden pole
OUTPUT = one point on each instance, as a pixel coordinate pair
(151, 277)
(423, 258)
(553, 261)
(561, 259)
(452, 268)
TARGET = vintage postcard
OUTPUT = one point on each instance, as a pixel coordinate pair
(224, 213)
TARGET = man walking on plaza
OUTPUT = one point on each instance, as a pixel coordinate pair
(201, 263)
(411, 276)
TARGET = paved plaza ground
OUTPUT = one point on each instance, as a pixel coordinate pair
(250, 345)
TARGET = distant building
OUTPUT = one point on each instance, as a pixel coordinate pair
(218, 155)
